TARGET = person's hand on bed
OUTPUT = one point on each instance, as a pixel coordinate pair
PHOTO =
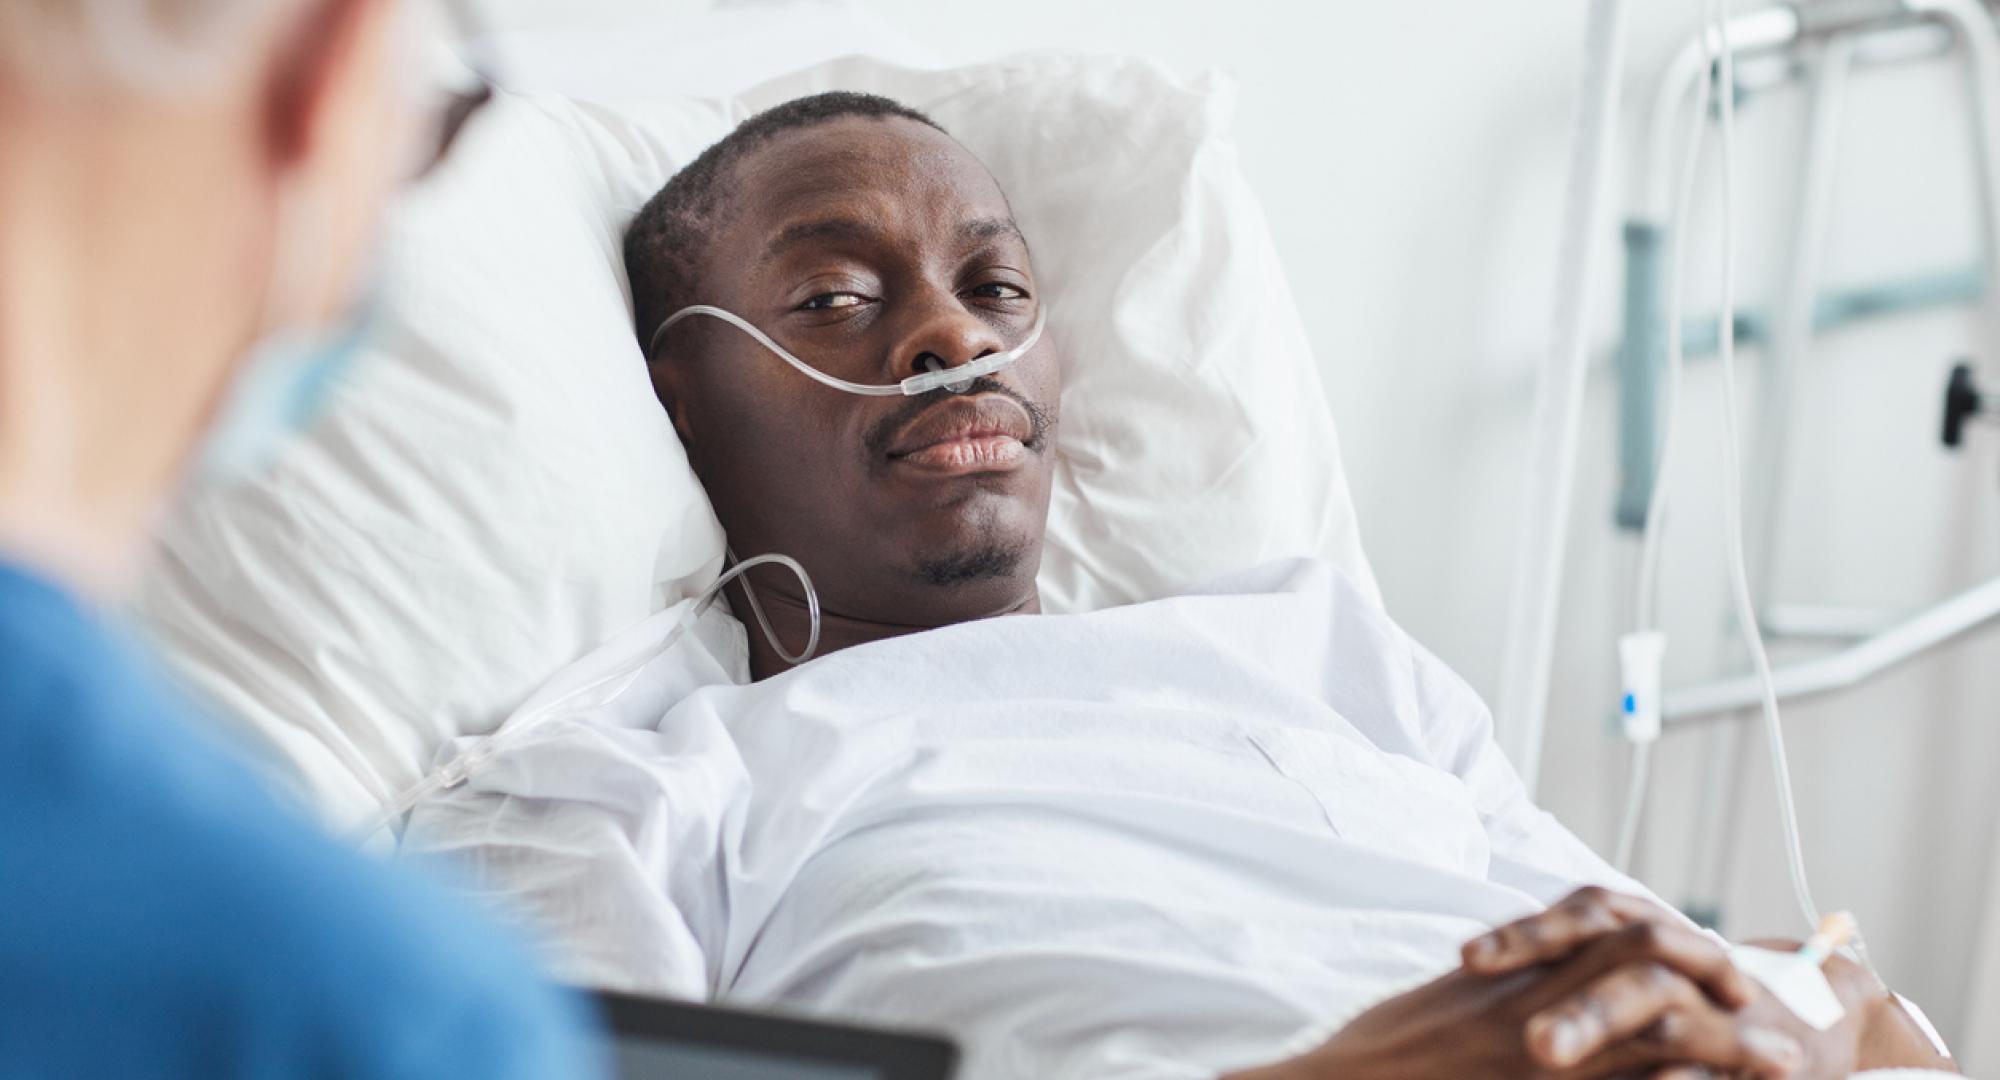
(1648, 1018)
(1877, 1033)
(1597, 986)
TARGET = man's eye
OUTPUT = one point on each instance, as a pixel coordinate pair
(999, 290)
(830, 301)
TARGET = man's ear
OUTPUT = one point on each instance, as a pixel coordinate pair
(667, 388)
(320, 71)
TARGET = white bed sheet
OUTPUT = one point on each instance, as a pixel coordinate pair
(1154, 841)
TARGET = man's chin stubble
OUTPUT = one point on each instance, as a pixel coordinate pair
(984, 563)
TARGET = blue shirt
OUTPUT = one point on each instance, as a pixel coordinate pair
(162, 916)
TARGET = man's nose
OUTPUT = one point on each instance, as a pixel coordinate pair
(945, 332)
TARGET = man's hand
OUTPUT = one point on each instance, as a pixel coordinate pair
(1605, 985)
(1644, 1003)
(1474, 1026)
(1875, 1034)
(1617, 928)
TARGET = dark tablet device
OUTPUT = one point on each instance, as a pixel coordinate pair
(653, 1039)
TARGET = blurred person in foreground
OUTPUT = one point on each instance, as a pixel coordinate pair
(187, 193)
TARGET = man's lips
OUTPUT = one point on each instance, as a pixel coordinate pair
(979, 433)
(974, 453)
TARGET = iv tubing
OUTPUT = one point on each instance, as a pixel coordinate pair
(1732, 507)
(1649, 557)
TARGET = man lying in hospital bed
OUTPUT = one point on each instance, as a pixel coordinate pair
(1252, 827)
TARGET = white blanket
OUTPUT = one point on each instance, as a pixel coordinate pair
(1155, 841)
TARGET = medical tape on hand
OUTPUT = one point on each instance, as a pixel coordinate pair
(1796, 981)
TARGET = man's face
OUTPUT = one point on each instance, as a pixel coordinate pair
(870, 248)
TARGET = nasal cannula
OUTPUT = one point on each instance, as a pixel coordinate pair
(956, 379)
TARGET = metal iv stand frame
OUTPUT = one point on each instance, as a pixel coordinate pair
(1829, 37)
(1884, 30)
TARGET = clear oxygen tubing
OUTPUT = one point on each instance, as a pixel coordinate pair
(597, 693)
(956, 379)
(1646, 604)
(764, 622)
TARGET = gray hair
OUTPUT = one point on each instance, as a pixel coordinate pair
(153, 46)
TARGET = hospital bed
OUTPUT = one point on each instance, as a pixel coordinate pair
(496, 492)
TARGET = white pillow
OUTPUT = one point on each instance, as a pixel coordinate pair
(492, 494)
(496, 492)
(655, 50)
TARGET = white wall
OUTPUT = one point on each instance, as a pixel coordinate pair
(1410, 156)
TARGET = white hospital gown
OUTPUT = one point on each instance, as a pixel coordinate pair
(1156, 841)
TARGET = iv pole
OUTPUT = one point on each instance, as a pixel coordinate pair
(1974, 607)
(1522, 707)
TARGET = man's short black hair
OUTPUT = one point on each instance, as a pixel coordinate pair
(666, 247)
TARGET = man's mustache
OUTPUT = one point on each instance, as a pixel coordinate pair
(884, 432)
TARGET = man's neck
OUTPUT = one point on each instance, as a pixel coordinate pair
(792, 623)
